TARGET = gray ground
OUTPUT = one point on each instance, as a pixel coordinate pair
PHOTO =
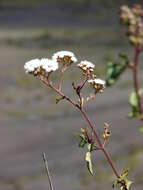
(31, 122)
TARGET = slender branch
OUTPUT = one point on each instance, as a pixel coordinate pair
(84, 82)
(100, 143)
(88, 121)
(78, 90)
(47, 171)
(60, 80)
(49, 84)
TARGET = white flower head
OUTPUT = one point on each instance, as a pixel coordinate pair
(36, 65)
(30, 66)
(97, 81)
(49, 65)
(97, 84)
(64, 56)
(86, 66)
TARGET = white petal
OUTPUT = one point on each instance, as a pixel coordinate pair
(62, 54)
(86, 65)
(31, 65)
(49, 65)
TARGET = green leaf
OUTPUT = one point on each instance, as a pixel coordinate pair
(114, 70)
(58, 99)
(133, 99)
(89, 163)
(124, 174)
(134, 104)
(90, 147)
(82, 142)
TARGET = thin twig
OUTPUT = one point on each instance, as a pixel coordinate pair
(84, 82)
(49, 84)
(47, 171)
(60, 81)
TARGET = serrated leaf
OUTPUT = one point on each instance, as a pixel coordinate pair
(88, 162)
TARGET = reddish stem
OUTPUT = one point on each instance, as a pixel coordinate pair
(135, 77)
(45, 81)
(100, 143)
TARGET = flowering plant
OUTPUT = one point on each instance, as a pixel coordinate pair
(132, 19)
(44, 68)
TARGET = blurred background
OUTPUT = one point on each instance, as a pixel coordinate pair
(30, 121)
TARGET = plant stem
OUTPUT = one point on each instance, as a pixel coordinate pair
(88, 121)
(135, 77)
(47, 171)
(60, 81)
(45, 81)
(100, 143)
(84, 82)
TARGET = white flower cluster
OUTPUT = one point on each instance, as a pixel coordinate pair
(86, 66)
(98, 84)
(63, 54)
(30, 66)
(97, 81)
(47, 65)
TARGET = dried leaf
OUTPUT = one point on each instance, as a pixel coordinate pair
(128, 184)
(122, 181)
(89, 163)
(106, 133)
